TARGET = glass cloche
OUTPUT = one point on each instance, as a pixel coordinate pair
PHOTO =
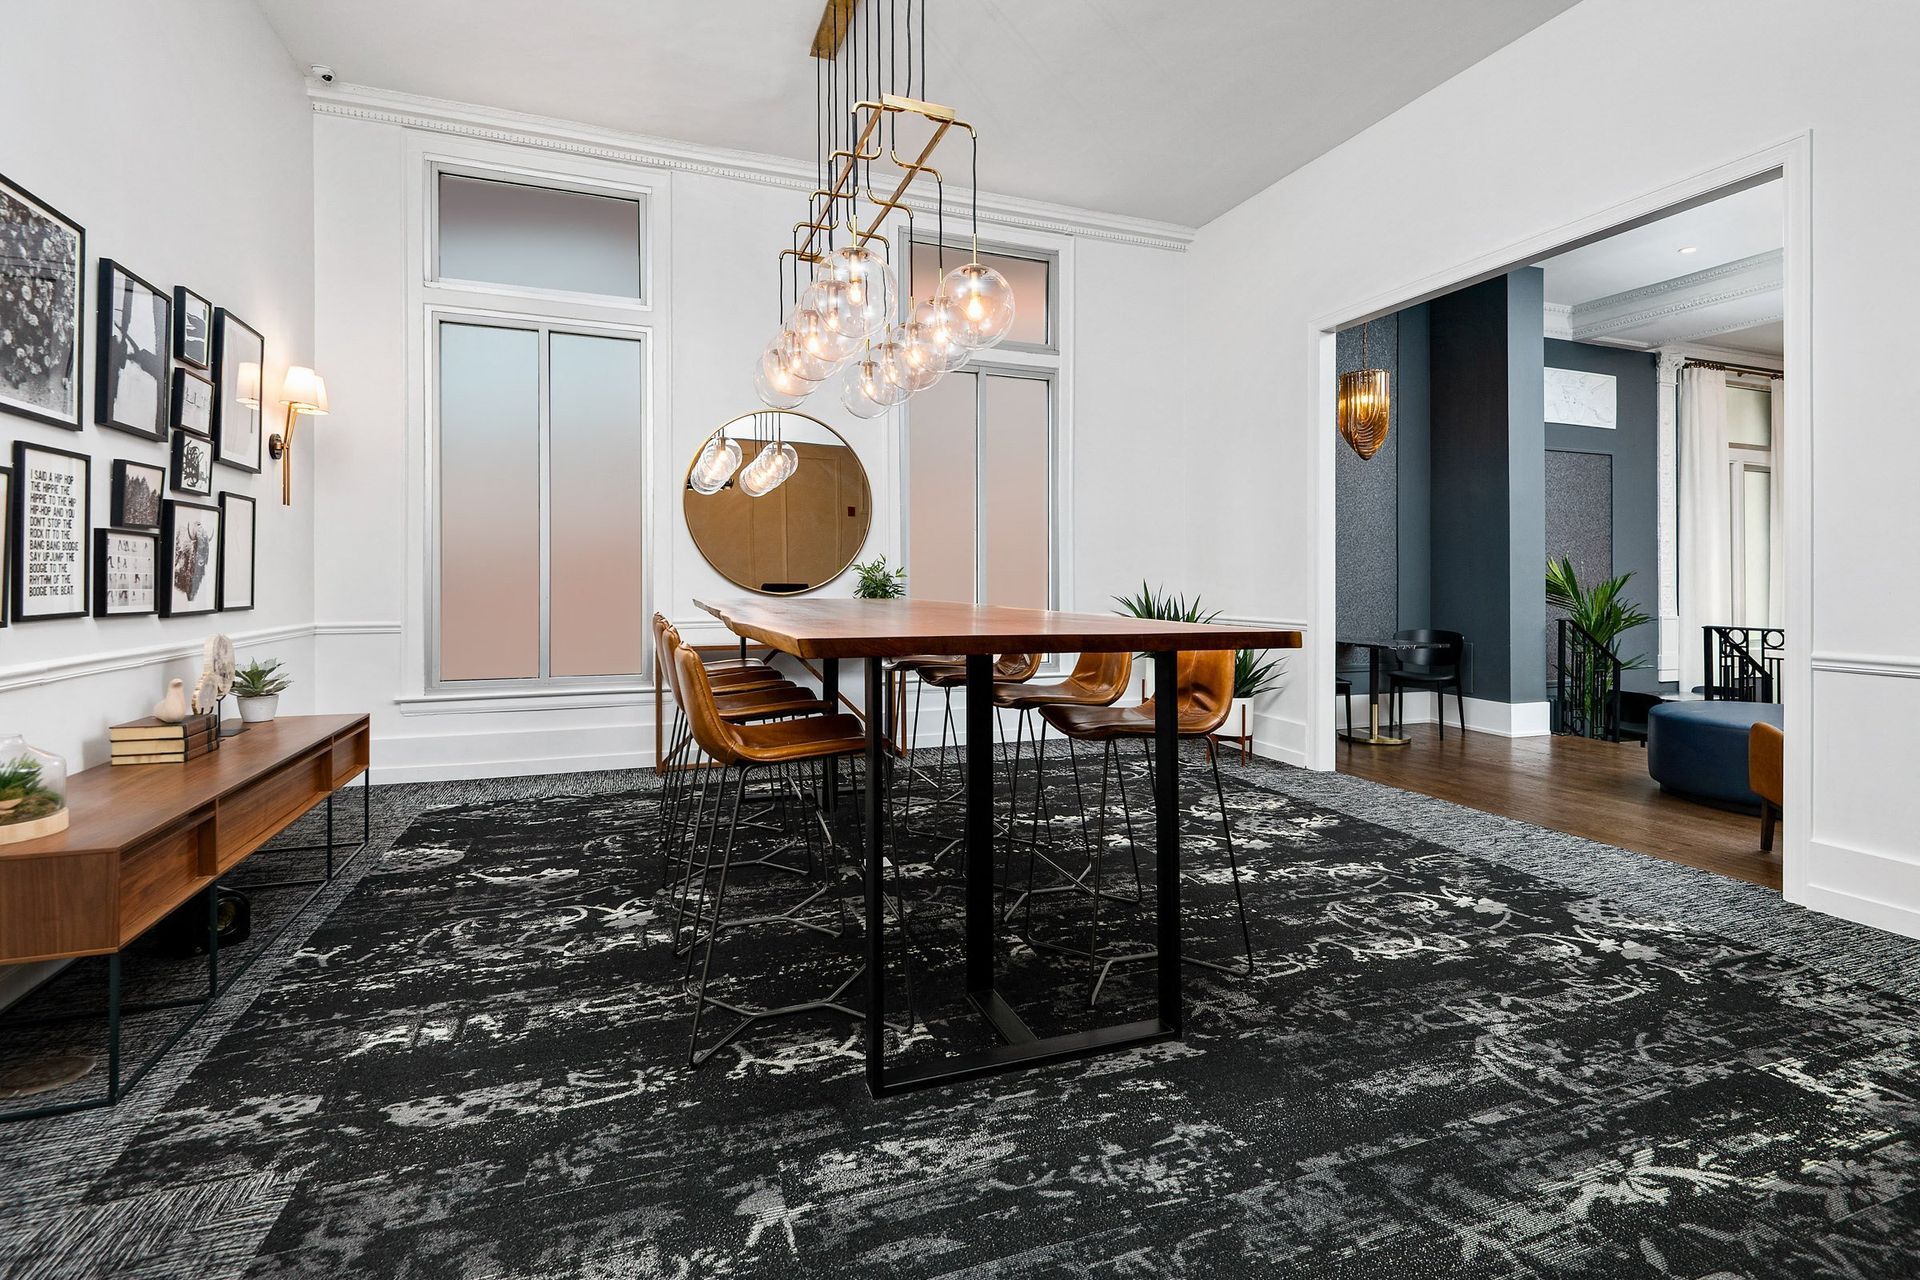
(33, 790)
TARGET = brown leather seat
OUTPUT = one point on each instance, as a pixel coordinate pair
(1097, 680)
(1766, 774)
(812, 738)
(1202, 701)
(1008, 668)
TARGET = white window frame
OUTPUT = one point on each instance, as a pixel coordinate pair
(1052, 363)
(428, 300)
(1742, 458)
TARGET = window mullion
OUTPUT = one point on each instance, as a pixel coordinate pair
(546, 503)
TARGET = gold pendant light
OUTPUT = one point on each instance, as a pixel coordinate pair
(1363, 412)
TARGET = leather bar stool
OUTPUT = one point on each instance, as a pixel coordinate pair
(1203, 697)
(742, 750)
(946, 676)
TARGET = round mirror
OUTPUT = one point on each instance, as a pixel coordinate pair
(798, 535)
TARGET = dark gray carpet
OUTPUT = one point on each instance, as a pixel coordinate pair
(1471, 1048)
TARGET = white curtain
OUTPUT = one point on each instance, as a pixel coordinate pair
(1776, 530)
(1706, 543)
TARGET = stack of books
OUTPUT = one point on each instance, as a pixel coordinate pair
(153, 741)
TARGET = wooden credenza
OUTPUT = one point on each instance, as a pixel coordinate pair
(143, 840)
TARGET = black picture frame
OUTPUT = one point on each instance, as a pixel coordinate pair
(193, 399)
(182, 528)
(238, 426)
(127, 506)
(190, 347)
(192, 469)
(6, 542)
(104, 605)
(26, 221)
(18, 553)
(236, 510)
(132, 359)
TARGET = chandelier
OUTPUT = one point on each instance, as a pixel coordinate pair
(844, 318)
(1362, 411)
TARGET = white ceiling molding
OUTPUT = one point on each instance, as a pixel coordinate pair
(1731, 296)
(1558, 321)
(412, 111)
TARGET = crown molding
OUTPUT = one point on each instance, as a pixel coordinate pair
(491, 124)
(1557, 320)
(1758, 280)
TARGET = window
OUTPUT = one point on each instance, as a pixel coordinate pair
(979, 477)
(1032, 279)
(539, 530)
(536, 450)
(524, 236)
(1750, 502)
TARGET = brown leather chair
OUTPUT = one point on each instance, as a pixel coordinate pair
(740, 750)
(1766, 774)
(1203, 696)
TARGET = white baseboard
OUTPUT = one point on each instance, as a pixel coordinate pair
(1503, 719)
(1865, 886)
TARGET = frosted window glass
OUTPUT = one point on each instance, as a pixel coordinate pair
(595, 622)
(1016, 448)
(489, 503)
(539, 237)
(1750, 417)
(940, 493)
(1032, 326)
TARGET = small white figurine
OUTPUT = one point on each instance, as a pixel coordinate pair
(173, 707)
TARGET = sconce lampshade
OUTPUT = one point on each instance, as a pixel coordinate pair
(1363, 411)
(305, 391)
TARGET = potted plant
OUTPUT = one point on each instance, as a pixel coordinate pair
(33, 791)
(1161, 605)
(877, 582)
(1251, 678)
(258, 687)
(1601, 613)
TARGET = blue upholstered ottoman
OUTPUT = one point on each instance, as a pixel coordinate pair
(1699, 749)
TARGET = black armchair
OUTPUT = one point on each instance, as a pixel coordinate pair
(1434, 663)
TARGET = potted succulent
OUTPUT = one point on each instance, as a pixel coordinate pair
(33, 791)
(1160, 605)
(877, 582)
(1251, 678)
(258, 687)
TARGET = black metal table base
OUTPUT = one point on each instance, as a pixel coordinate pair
(1020, 1048)
(217, 984)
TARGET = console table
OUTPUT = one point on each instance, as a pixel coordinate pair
(143, 841)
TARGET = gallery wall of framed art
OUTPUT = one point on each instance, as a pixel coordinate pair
(52, 509)
(132, 361)
(43, 256)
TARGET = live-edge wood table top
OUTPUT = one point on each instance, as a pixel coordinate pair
(893, 628)
(113, 807)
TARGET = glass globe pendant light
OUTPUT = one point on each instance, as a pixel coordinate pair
(865, 390)
(824, 337)
(788, 353)
(772, 395)
(909, 358)
(764, 474)
(718, 460)
(938, 321)
(870, 285)
(982, 303)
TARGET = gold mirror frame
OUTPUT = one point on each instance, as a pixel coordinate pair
(744, 428)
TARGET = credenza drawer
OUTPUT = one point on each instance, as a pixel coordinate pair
(248, 818)
(56, 906)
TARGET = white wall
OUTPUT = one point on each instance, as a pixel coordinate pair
(719, 221)
(1602, 105)
(176, 133)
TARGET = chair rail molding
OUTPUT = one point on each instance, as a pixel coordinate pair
(29, 675)
(463, 119)
(1868, 664)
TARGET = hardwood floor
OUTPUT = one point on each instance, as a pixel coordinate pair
(1599, 790)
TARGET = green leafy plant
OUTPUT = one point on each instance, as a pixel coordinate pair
(260, 680)
(1163, 606)
(1599, 610)
(1253, 677)
(877, 582)
(22, 795)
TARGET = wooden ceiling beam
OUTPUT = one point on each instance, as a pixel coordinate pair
(835, 18)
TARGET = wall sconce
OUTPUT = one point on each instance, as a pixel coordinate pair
(305, 393)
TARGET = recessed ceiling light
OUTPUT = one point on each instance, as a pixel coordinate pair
(1689, 248)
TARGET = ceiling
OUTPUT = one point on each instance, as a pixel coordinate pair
(1175, 112)
(1639, 289)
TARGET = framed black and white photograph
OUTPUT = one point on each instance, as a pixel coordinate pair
(51, 513)
(236, 551)
(189, 558)
(134, 500)
(43, 257)
(239, 352)
(123, 572)
(192, 464)
(6, 538)
(192, 403)
(132, 366)
(192, 328)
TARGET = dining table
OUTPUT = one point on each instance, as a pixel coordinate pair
(1377, 649)
(828, 631)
